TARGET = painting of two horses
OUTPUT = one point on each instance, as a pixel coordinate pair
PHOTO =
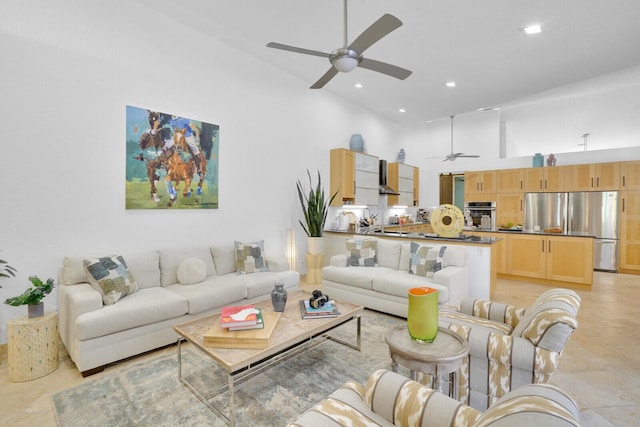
(172, 161)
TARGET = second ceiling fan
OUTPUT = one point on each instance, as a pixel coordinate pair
(349, 56)
(452, 156)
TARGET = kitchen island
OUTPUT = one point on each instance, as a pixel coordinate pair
(481, 258)
(554, 259)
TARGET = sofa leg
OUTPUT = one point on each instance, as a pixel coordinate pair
(92, 371)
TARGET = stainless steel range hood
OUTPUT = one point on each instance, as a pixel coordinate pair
(384, 188)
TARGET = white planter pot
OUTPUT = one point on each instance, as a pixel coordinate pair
(315, 245)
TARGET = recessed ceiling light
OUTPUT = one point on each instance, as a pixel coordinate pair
(532, 29)
(450, 84)
(358, 85)
(402, 110)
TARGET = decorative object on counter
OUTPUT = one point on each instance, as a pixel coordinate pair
(422, 316)
(315, 208)
(551, 160)
(401, 155)
(447, 220)
(356, 143)
(538, 160)
(279, 297)
(32, 297)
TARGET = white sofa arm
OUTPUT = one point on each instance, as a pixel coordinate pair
(81, 298)
(277, 264)
(339, 260)
(454, 278)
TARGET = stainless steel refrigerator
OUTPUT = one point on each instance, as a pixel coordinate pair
(545, 210)
(596, 213)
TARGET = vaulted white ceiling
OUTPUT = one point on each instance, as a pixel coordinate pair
(477, 44)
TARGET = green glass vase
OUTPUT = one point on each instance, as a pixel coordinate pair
(422, 319)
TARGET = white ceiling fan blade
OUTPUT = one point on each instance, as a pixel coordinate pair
(384, 68)
(325, 78)
(298, 49)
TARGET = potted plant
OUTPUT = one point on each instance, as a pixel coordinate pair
(33, 296)
(6, 270)
(314, 207)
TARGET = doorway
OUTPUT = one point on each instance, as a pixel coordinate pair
(452, 190)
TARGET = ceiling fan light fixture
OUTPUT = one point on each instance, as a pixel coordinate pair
(345, 60)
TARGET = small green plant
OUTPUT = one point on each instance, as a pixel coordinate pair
(314, 207)
(6, 270)
(34, 294)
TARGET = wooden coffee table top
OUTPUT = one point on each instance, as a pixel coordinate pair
(291, 330)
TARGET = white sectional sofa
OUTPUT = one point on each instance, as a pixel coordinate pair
(384, 286)
(96, 334)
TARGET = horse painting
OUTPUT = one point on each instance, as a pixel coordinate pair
(181, 170)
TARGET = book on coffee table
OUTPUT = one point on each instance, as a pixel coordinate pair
(220, 337)
(259, 324)
(317, 315)
(239, 315)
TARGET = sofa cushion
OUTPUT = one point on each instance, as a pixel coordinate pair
(171, 258)
(145, 267)
(263, 283)
(405, 256)
(389, 253)
(212, 293)
(357, 277)
(191, 270)
(224, 258)
(398, 283)
(110, 276)
(145, 307)
(250, 257)
(73, 271)
(362, 252)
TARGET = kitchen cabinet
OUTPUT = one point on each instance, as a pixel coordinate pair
(553, 258)
(416, 186)
(629, 232)
(480, 186)
(509, 208)
(630, 175)
(545, 179)
(355, 176)
(509, 180)
(594, 177)
(400, 177)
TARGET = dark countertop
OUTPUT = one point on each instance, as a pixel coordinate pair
(425, 236)
(538, 233)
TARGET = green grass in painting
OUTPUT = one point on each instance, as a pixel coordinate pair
(138, 197)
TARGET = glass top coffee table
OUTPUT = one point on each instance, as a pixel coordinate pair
(291, 336)
(443, 356)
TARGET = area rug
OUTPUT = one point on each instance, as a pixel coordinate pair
(150, 394)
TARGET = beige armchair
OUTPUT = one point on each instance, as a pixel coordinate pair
(389, 399)
(510, 346)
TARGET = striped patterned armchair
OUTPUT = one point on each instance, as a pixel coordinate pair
(509, 346)
(390, 399)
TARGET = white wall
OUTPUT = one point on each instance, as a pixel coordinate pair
(68, 71)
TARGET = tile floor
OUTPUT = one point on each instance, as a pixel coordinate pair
(599, 368)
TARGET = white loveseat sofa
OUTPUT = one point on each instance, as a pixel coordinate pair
(96, 334)
(382, 283)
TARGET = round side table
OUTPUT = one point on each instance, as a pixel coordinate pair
(443, 356)
(32, 347)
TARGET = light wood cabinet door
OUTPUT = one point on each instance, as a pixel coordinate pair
(594, 177)
(509, 180)
(569, 259)
(526, 255)
(479, 182)
(630, 231)
(416, 186)
(630, 175)
(509, 208)
(342, 176)
(554, 178)
(534, 180)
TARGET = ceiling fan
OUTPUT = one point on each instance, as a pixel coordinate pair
(452, 156)
(349, 56)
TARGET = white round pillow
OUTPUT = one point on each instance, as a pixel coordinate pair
(191, 270)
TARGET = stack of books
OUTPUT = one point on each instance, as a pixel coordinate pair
(240, 318)
(329, 309)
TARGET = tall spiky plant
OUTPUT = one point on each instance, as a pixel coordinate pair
(314, 207)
